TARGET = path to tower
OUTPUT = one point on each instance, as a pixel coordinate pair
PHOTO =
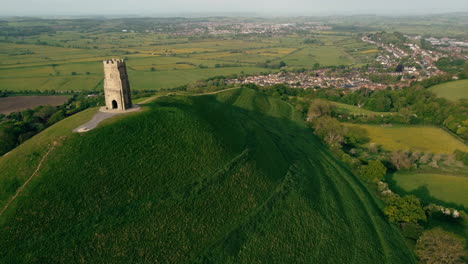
(101, 116)
(104, 114)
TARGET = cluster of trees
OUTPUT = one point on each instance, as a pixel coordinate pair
(18, 127)
(435, 80)
(413, 105)
(269, 64)
(312, 41)
(402, 210)
(395, 38)
(438, 246)
(5, 93)
(453, 66)
(209, 85)
(433, 245)
(384, 78)
(348, 142)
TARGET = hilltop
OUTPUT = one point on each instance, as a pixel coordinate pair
(230, 177)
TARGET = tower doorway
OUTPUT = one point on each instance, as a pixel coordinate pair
(114, 104)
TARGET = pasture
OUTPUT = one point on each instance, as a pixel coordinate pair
(454, 91)
(431, 186)
(192, 179)
(413, 138)
(19, 103)
(352, 109)
(72, 60)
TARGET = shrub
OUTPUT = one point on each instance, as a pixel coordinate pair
(437, 246)
(404, 210)
(373, 172)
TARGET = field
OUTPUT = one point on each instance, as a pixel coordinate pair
(414, 138)
(235, 177)
(71, 61)
(352, 109)
(19, 103)
(450, 189)
(452, 90)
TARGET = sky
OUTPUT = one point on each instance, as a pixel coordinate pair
(222, 7)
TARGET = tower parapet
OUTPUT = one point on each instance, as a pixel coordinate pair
(116, 85)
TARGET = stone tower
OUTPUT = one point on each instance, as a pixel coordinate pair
(116, 85)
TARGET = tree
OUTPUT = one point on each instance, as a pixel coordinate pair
(56, 117)
(437, 246)
(374, 171)
(404, 210)
(399, 68)
(380, 102)
(401, 160)
(7, 139)
(319, 108)
(44, 112)
(356, 136)
(330, 130)
(282, 64)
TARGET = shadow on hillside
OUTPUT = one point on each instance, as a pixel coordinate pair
(293, 140)
(424, 194)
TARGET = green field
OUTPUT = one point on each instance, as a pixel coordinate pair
(430, 186)
(452, 90)
(235, 177)
(352, 109)
(157, 61)
(414, 138)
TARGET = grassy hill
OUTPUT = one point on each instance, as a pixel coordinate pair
(452, 90)
(235, 177)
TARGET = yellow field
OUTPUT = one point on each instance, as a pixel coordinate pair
(413, 138)
(271, 51)
(369, 51)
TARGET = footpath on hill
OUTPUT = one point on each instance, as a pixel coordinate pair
(18, 192)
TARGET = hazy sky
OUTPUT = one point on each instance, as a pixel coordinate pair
(265, 7)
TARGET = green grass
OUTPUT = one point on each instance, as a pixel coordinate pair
(452, 90)
(413, 138)
(31, 67)
(352, 109)
(17, 165)
(324, 55)
(450, 189)
(235, 177)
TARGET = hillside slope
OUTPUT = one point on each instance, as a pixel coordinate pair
(229, 178)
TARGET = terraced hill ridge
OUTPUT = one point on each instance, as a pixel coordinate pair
(235, 177)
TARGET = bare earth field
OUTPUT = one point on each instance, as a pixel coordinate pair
(19, 103)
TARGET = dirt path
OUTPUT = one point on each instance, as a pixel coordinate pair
(18, 192)
(102, 115)
(97, 118)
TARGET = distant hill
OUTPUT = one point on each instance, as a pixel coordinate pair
(235, 177)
